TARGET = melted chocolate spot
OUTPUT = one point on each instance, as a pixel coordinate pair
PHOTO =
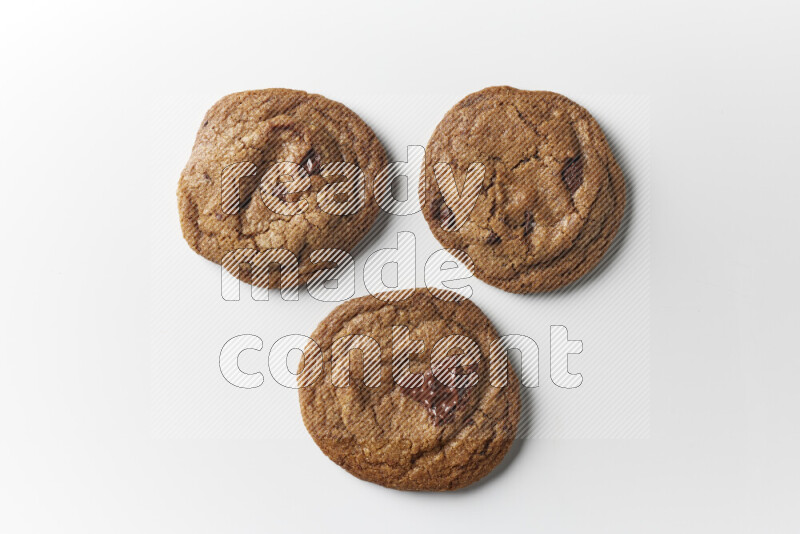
(529, 224)
(493, 238)
(311, 162)
(441, 401)
(446, 215)
(443, 213)
(279, 191)
(572, 174)
(205, 124)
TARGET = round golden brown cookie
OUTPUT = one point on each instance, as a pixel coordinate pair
(274, 170)
(417, 408)
(524, 182)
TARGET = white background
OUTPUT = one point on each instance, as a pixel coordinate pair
(83, 446)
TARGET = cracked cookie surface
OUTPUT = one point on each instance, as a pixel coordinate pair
(550, 198)
(441, 428)
(256, 129)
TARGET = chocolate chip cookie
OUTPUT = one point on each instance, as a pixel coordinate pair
(274, 175)
(524, 182)
(410, 394)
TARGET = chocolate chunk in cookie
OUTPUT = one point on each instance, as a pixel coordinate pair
(439, 399)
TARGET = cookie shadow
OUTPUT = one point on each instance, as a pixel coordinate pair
(382, 220)
(375, 231)
(622, 239)
(526, 422)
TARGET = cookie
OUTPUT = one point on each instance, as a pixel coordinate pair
(400, 394)
(524, 182)
(274, 175)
